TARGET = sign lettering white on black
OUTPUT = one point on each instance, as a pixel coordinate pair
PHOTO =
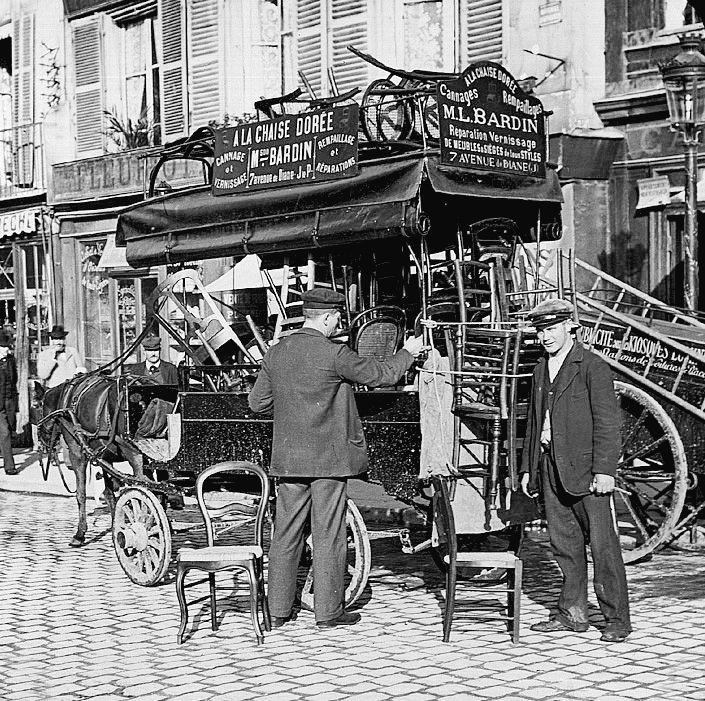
(489, 123)
(311, 146)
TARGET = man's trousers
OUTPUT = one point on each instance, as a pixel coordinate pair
(572, 523)
(324, 500)
(7, 423)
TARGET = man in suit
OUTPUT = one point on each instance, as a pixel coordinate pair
(8, 402)
(571, 448)
(153, 366)
(318, 443)
(58, 362)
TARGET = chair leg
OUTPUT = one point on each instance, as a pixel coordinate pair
(211, 585)
(516, 620)
(450, 601)
(254, 603)
(262, 596)
(181, 595)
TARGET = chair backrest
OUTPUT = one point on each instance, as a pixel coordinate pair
(378, 332)
(484, 361)
(245, 506)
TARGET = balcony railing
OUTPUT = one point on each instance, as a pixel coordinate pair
(21, 161)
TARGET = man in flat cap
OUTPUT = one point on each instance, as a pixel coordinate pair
(571, 448)
(8, 401)
(58, 362)
(153, 366)
(307, 380)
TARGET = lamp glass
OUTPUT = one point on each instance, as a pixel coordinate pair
(685, 95)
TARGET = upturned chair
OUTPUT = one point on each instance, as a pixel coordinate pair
(239, 510)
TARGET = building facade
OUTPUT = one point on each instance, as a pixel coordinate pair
(646, 188)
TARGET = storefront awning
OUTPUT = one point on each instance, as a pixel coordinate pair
(381, 201)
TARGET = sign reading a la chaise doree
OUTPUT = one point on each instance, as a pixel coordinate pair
(488, 122)
(311, 146)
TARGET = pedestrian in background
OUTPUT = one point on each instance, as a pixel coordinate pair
(572, 446)
(318, 444)
(8, 401)
(153, 366)
(58, 362)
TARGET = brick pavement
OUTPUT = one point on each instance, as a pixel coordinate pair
(74, 627)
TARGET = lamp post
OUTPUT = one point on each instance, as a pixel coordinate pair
(684, 80)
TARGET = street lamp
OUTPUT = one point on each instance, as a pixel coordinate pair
(684, 80)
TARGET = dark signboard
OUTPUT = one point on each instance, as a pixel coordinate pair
(488, 122)
(311, 146)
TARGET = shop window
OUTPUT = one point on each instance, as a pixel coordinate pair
(133, 314)
(37, 299)
(95, 289)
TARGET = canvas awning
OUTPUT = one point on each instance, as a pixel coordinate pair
(381, 201)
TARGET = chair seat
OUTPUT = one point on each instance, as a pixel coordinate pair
(505, 560)
(476, 409)
(222, 553)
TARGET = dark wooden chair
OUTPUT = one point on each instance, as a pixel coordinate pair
(491, 388)
(238, 509)
(378, 332)
(445, 543)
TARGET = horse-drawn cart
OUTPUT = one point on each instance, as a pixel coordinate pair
(418, 240)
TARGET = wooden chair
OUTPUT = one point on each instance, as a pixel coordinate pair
(490, 395)
(378, 332)
(445, 542)
(240, 509)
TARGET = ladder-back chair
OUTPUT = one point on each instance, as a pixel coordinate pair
(445, 543)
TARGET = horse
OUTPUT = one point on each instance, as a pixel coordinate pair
(88, 413)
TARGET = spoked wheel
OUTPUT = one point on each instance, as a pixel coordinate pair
(651, 475)
(141, 536)
(359, 560)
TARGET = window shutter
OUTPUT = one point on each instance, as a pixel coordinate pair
(481, 35)
(89, 85)
(349, 28)
(173, 93)
(309, 49)
(204, 62)
(23, 100)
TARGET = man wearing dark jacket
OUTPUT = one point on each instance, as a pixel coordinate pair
(318, 444)
(8, 402)
(153, 366)
(572, 447)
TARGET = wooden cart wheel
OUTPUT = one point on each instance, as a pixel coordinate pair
(359, 560)
(141, 536)
(652, 471)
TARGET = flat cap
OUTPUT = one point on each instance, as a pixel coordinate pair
(323, 298)
(151, 342)
(550, 312)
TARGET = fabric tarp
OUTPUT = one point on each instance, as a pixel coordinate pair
(380, 201)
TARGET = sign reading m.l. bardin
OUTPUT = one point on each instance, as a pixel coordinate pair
(311, 146)
(488, 122)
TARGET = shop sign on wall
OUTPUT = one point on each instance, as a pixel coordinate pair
(22, 222)
(489, 123)
(311, 146)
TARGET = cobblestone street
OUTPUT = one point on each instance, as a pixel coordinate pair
(75, 627)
